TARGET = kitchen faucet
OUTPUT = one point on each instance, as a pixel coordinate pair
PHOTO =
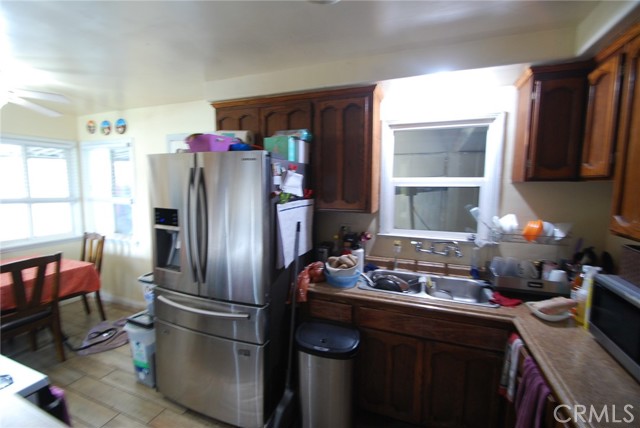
(448, 246)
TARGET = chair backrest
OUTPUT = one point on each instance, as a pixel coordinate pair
(92, 247)
(28, 287)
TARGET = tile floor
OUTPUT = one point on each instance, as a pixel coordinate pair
(101, 389)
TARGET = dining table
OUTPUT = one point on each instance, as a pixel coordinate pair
(76, 278)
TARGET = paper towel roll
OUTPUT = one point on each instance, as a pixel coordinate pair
(359, 253)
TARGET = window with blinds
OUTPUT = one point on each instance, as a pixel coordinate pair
(108, 182)
(39, 192)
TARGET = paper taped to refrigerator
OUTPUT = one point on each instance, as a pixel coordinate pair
(289, 215)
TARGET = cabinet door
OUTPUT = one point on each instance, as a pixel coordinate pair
(626, 196)
(461, 386)
(389, 375)
(342, 158)
(287, 116)
(556, 129)
(602, 119)
(239, 118)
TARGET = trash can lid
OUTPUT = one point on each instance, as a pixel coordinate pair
(327, 340)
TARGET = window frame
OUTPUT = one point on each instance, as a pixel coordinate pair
(74, 198)
(489, 185)
(87, 200)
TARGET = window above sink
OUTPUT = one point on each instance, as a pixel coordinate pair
(432, 171)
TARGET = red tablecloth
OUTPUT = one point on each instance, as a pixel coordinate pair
(75, 277)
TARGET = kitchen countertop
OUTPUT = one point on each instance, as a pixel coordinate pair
(577, 369)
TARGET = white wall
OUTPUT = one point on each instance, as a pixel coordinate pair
(584, 204)
(124, 261)
(16, 120)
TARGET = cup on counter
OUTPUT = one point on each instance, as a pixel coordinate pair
(547, 267)
(558, 275)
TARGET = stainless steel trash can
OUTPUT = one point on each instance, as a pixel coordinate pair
(325, 363)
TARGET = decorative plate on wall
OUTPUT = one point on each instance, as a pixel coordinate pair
(91, 127)
(121, 126)
(105, 127)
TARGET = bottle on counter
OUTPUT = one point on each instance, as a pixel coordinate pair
(588, 280)
(582, 295)
(576, 284)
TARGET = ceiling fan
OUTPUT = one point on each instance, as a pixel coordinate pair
(19, 97)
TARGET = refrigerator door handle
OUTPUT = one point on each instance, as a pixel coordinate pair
(202, 221)
(189, 229)
(226, 315)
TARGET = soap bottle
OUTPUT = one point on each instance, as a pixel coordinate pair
(576, 284)
(583, 296)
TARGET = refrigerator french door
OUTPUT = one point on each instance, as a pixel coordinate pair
(213, 224)
(219, 300)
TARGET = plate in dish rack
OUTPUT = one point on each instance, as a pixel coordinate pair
(547, 317)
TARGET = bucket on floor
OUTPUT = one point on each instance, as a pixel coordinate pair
(143, 351)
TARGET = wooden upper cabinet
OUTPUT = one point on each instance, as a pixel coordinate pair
(550, 123)
(292, 115)
(345, 149)
(263, 120)
(602, 118)
(625, 219)
(238, 118)
(346, 152)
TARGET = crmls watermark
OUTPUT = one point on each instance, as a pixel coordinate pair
(607, 414)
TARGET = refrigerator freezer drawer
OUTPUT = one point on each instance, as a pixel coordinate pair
(220, 378)
(223, 319)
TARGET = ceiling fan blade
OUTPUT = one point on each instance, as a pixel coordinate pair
(39, 95)
(33, 106)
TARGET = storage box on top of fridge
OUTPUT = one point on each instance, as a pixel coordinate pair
(210, 143)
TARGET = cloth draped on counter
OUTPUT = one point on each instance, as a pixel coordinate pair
(510, 367)
(531, 396)
(504, 300)
(288, 215)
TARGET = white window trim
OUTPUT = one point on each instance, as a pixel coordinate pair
(490, 185)
(74, 189)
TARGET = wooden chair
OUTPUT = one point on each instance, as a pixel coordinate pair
(92, 247)
(31, 313)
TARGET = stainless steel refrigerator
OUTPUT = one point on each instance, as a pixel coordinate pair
(219, 301)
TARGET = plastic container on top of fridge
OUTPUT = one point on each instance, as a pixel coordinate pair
(211, 143)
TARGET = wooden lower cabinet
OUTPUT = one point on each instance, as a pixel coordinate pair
(428, 371)
(389, 375)
(428, 383)
(461, 386)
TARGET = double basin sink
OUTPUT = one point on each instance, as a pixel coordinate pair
(426, 286)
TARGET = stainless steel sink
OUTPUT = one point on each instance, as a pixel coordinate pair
(424, 286)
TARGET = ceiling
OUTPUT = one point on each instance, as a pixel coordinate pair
(116, 55)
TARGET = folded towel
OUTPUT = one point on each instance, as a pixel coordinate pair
(510, 367)
(531, 397)
(503, 300)
(513, 370)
